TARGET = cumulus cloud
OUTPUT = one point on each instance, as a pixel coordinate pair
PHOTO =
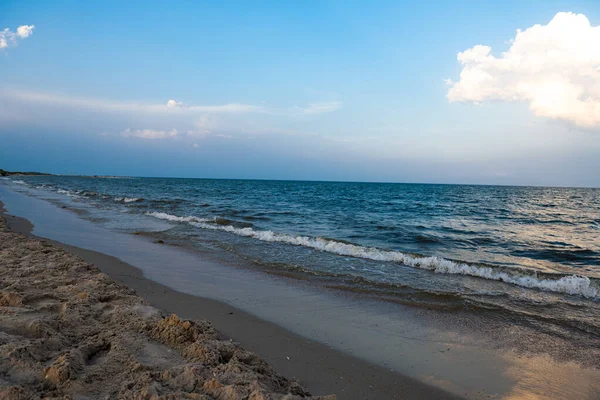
(175, 104)
(25, 30)
(9, 38)
(554, 67)
(149, 133)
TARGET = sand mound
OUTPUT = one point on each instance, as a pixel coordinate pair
(69, 331)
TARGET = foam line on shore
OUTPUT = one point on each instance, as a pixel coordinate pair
(572, 284)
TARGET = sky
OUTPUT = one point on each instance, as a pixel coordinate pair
(474, 92)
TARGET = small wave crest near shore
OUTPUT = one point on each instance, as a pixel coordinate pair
(572, 284)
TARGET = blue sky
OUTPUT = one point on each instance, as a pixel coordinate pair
(332, 90)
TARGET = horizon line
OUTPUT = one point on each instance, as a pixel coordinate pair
(96, 176)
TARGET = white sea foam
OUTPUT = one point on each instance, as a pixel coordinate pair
(68, 193)
(174, 218)
(20, 182)
(127, 199)
(574, 284)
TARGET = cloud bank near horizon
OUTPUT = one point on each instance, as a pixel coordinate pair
(149, 133)
(170, 119)
(102, 105)
(9, 38)
(555, 68)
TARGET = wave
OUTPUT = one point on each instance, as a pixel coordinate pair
(89, 193)
(69, 193)
(573, 284)
(428, 239)
(159, 202)
(20, 182)
(573, 255)
(216, 220)
(174, 218)
(128, 199)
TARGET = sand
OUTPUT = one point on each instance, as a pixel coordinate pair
(67, 328)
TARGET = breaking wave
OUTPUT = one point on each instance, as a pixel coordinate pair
(573, 284)
(68, 193)
(20, 182)
(174, 218)
(128, 199)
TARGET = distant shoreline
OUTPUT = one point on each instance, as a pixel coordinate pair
(21, 173)
(32, 173)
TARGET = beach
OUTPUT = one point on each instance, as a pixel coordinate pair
(273, 200)
(334, 335)
(69, 329)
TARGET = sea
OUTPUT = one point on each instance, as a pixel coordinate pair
(524, 254)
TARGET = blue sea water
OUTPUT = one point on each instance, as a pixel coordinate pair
(531, 251)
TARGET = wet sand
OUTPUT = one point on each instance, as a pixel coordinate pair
(321, 369)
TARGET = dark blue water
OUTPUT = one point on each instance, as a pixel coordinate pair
(491, 247)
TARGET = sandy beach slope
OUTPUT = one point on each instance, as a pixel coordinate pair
(69, 331)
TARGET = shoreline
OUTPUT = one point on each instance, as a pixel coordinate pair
(477, 356)
(320, 368)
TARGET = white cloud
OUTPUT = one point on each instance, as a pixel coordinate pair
(56, 99)
(155, 120)
(25, 30)
(149, 133)
(228, 108)
(554, 67)
(320, 108)
(9, 38)
(171, 107)
(204, 125)
(175, 104)
(196, 145)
